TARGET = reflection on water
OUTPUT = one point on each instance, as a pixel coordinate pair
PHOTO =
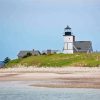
(14, 91)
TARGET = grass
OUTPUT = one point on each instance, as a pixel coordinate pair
(59, 60)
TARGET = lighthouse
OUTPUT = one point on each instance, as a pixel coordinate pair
(68, 41)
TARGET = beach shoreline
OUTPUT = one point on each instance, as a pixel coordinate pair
(66, 77)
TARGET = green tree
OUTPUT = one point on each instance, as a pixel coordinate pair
(6, 60)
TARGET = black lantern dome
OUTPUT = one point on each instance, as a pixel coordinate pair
(67, 31)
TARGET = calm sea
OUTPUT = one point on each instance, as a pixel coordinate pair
(14, 91)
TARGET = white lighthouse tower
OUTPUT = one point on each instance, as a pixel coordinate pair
(68, 41)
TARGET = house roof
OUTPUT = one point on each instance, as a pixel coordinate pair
(23, 53)
(82, 46)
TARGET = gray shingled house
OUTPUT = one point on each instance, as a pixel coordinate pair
(49, 51)
(83, 46)
(21, 54)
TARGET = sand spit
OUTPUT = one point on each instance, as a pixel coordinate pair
(67, 77)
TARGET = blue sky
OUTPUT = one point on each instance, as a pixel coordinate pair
(39, 24)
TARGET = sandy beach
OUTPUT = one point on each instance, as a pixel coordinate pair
(67, 77)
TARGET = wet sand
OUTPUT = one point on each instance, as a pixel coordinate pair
(71, 77)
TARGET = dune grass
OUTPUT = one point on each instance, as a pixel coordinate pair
(59, 60)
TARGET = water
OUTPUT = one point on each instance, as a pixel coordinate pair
(15, 91)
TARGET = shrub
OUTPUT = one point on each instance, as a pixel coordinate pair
(28, 55)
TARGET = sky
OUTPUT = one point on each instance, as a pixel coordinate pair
(39, 24)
